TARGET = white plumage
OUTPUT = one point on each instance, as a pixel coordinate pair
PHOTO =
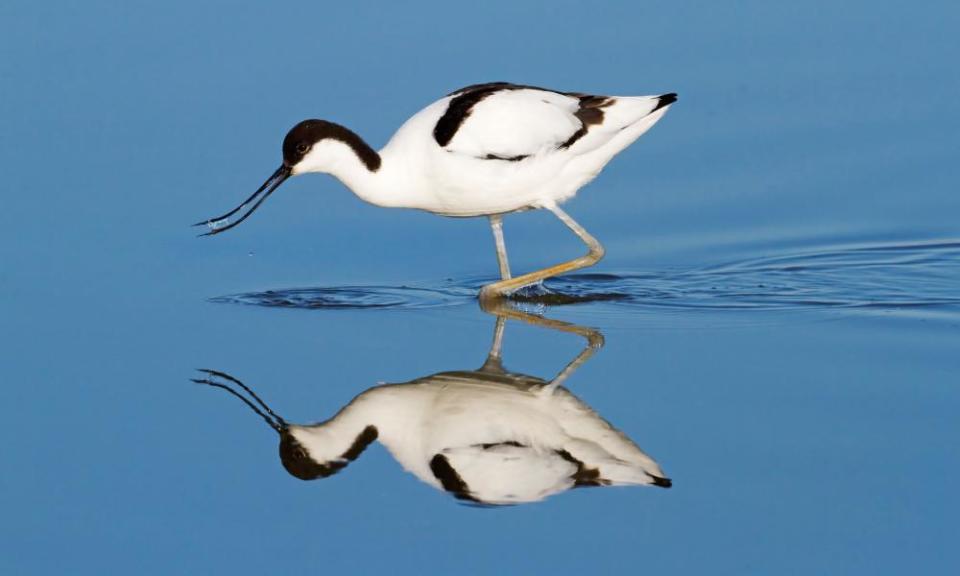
(505, 438)
(461, 178)
(487, 436)
(484, 150)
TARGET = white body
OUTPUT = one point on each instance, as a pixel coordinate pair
(460, 180)
(455, 413)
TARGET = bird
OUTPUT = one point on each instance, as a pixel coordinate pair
(487, 437)
(484, 150)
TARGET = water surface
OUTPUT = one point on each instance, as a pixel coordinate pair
(779, 302)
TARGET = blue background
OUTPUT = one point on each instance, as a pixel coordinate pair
(801, 438)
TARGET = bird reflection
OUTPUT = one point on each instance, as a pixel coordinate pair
(486, 436)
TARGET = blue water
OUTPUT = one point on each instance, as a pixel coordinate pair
(780, 299)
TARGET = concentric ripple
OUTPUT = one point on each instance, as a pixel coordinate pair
(894, 276)
(356, 297)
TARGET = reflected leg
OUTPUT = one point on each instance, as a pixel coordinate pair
(503, 310)
(494, 361)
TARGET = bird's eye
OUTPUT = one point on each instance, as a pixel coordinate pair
(302, 148)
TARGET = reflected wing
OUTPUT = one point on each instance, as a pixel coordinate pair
(506, 473)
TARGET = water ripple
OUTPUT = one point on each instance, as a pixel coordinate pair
(868, 276)
(356, 297)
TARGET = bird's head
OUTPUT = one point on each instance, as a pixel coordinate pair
(310, 146)
(306, 452)
(299, 461)
(314, 146)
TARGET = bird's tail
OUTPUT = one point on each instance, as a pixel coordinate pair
(625, 120)
(625, 473)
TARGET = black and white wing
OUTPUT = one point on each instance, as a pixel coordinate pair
(502, 121)
(502, 473)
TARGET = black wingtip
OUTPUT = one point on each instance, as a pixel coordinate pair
(665, 100)
(662, 482)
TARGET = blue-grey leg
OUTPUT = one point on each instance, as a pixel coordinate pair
(508, 285)
(503, 310)
(494, 362)
(496, 224)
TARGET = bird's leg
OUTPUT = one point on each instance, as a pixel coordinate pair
(504, 310)
(504, 287)
(494, 362)
(496, 224)
(582, 357)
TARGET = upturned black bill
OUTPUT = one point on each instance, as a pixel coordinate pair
(260, 407)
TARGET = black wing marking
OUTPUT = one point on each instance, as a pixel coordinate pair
(590, 112)
(665, 100)
(462, 105)
(507, 158)
(583, 476)
(586, 477)
(450, 479)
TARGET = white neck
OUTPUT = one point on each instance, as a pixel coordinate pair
(329, 440)
(382, 185)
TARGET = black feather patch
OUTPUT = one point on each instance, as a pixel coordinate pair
(466, 98)
(507, 158)
(461, 106)
(665, 100)
(662, 482)
(584, 476)
(590, 114)
(490, 445)
(298, 462)
(449, 478)
(360, 444)
(302, 137)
